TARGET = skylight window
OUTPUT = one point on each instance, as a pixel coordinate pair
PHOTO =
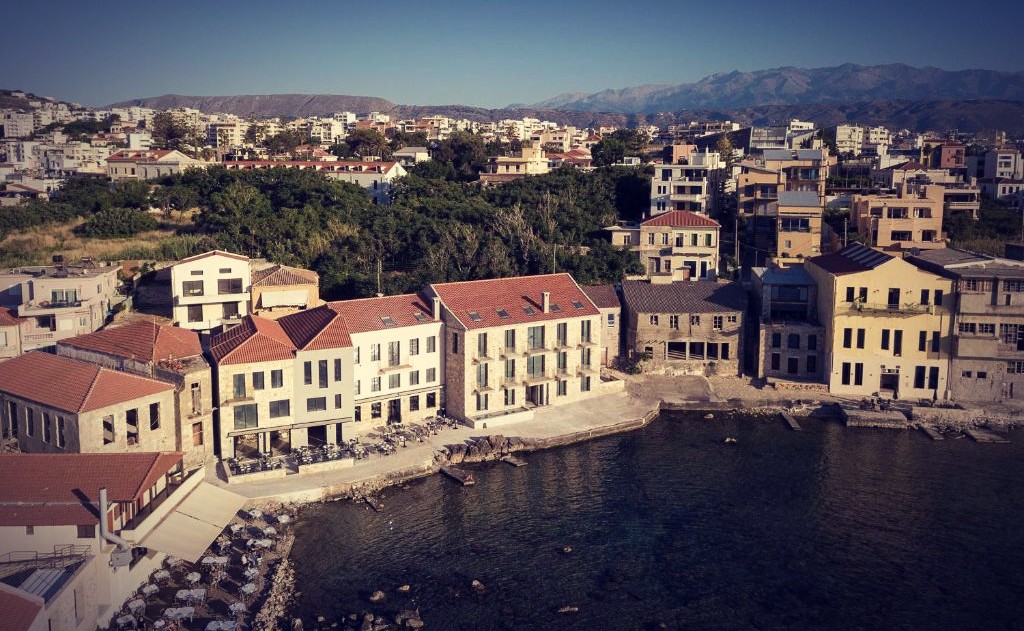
(577, 304)
(503, 314)
(528, 310)
(419, 317)
(387, 321)
(474, 316)
(555, 308)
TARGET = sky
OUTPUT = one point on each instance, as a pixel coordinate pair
(480, 52)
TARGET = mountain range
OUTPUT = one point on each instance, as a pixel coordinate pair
(794, 86)
(894, 95)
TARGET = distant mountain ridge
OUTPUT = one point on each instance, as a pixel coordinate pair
(794, 86)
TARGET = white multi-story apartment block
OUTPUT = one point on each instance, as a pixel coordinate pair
(210, 289)
(689, 185)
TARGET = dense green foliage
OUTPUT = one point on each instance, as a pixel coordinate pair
(614, 147)
(118, 222)
(996, 225)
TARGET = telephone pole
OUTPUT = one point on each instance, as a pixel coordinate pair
(380, 268)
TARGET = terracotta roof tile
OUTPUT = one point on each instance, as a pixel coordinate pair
(685, 297)
(284, 275)
(681, 219)
(20, 609)
(82, 386)
(316, 329)
(255, 339)
(519, 297)
(7, 318)
(604, 296)
(143, 340)
(368, 314)
(63, 489)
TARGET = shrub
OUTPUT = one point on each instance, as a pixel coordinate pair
(118, 222)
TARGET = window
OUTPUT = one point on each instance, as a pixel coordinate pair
(455, 343)
(257, 381)
(238, 386)
(280, 408)
(936, 340)
(108, 429)
(46, 427)
(885, 339)
(860, 338)
(849, 294)
(694, 320)
(337, 370)
(30, 530)
(358, 387)
(87, 531)
(192, 288)
(510, 396)
(611, 320)
(986, 328)
(375, 410)
(414, 403)
(197, 434)
(229, 286)
(938, 297)
(812, 342)
(845, 377)
(154, 416)
(933, 377)
(431, 400)
(394, 353)
(716, 322)
(562, 334)
(563, 362)
(562, 388)
(355, 355)
(322, 373)
(375, 384)
(967, 374)
(481, 375)
(229, 310)
(337, 402)
(307, 373)
(395, 380)
(925, 296)
(535, 338)
(414, 346)
(777, 340)
(982, 374)
(732, 319)
(196, 272)
(793, 341)
(863, 294)
(922, 341)
(316, 404)
(30, 422)
(276, 378)
(246, 416)
(968, 327)
(776, 361)
(1015, 368)
(847, 338)
(535, 366)
(585, 357)
(812, 363)
(195, 313)
(375, 352)
(431, 344)
(585, 331)
(585, 384)
(673, 322)
(431, 375)
(481, 401)
(481, 345)
(60, 431)
(654, 320)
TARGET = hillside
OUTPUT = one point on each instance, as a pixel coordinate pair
(848, 83)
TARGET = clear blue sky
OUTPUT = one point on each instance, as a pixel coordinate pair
(477, 52)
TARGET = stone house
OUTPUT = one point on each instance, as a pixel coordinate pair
(608, 302)
(696, 328)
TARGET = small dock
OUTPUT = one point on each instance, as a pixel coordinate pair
(793, 425)
(465, 478)
(512, 460)
(931, 432)
(982, 435)
(374, 503)
(884, 419)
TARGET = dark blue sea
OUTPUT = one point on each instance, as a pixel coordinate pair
(828, 528)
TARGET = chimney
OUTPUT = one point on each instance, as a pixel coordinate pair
(436, 308)
(545, 301)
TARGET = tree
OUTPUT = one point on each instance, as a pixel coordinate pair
(285, 142)
(118, 222)
(169, 133)
(368, 142)
(608, 151)
(725, 149)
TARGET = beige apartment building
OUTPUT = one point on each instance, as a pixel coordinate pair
(692, 328)
(92, 410)
(167, 353)
(148, 164)
(690, 183)
(673, 246)
(397, 363)
(988, 325)
(210, 290)
(887, 323)
(762, 179)
(798, 227)
(530, 160)
(59, 301)
(514, 344)
(909, 219)
(608, 302)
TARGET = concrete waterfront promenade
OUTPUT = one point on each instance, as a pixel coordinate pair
(551, 426)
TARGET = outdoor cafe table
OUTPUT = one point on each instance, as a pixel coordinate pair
(193, 577)
(221, 625)
(215, 560)
(270, 531)
(125, 621)
(263, 543)
(149, 589)
(161, 575)
(237, 607)
(178, 613)
(190, 594)
(284, 519)
(249, 588)
(136, 604)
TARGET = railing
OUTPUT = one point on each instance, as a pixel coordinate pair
(872, 307)
(61, 556)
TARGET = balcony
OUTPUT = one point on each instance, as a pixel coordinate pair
(44, 307)
(887, 310)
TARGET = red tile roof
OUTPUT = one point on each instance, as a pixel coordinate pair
(255, 339)
(144, 340)
(367, 314)
(20, 609)
(7, 318)
(283, 275)
(63, 489)
(517, 296)
(681, 219)
(316, 329)
(71, 385)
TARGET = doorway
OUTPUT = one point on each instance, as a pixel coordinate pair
(537, 395)
(394, 411)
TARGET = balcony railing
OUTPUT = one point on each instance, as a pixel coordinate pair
(872, 308)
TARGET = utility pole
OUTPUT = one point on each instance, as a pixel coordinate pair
(379, 269)
(554, 249)
(845, 222)
(736, 238)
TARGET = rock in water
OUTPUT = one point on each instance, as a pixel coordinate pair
(567, 550)
(414, 623)
(403, 589)
(568, 609)
(377, 596)
(477, 585)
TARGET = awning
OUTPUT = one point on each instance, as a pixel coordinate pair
(191, 527)
(284, 298)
